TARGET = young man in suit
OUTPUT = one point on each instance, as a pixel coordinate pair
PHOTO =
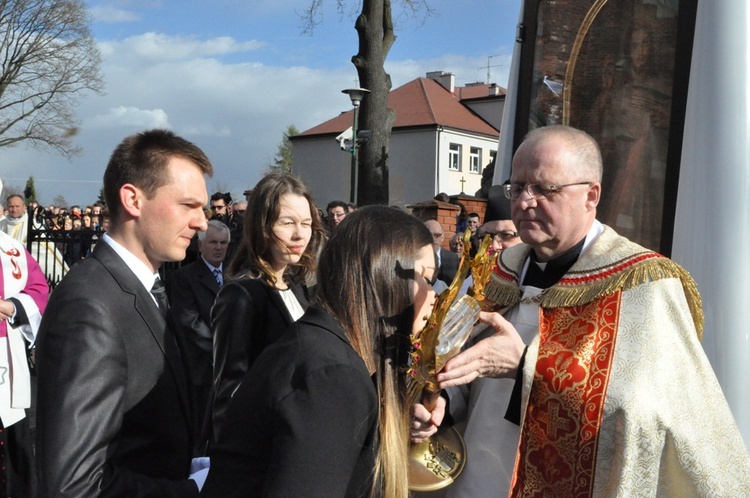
(192, 291)
(113, 403)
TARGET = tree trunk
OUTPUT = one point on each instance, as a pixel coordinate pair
(376, 36)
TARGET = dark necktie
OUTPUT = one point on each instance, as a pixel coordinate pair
(218, 276)
(159, 292)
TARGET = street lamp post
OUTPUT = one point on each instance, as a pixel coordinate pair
(356, 95)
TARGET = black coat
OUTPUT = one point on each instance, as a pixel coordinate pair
(303, 423)
(448, 266)
(247, 316)
(192, 291)
(113, 416)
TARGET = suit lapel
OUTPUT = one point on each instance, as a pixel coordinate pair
(148, 310)
(277, 301)
(206, 277)
(300, 294)
(142, 301)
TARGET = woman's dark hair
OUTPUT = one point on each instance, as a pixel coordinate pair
(365, 281)
(253, 256)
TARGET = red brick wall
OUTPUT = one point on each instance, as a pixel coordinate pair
(472, 204)
(447, 214)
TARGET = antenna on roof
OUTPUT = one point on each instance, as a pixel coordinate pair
(488, 66)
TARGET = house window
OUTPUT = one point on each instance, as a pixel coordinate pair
(475, 160)
(454, 157)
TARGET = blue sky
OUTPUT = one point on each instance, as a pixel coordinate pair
(231, 75)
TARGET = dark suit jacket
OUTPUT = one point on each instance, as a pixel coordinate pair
(303, 424)
(192, 291)
(247, 316)
(448, 265)
(113, 413)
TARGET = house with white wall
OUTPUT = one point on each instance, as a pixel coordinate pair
(442, 139)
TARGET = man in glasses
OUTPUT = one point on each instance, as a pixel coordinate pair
(336, 211)
(598, 353)
(221, 205)
(498, 222)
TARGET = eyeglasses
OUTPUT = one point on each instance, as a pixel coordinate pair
(505, 235)
(218, 206)
(513, 191)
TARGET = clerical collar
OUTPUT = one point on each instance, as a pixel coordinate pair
(546, 274)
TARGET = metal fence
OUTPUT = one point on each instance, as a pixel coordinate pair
(57, 250)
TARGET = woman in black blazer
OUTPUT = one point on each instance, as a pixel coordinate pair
(321, 413)
(281, 236)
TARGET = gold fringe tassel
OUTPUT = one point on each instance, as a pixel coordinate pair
(507, 293)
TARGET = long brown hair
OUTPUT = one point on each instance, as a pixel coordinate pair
(365, 282)
(253, 256)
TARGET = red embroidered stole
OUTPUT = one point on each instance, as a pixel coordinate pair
(560, 433)
(8, 275)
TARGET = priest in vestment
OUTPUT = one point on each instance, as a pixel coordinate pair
(16, 218)
(16, 224)
(613, 392)
(23, 297)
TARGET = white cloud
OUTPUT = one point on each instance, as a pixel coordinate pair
(128, 116)
(110, 14)
(206, 130)
(162, 47)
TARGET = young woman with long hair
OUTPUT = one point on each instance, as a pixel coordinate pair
(281, 236)
(325, 412)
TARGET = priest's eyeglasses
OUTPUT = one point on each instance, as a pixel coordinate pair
(513, 191)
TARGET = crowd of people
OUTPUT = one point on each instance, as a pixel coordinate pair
(70, 233)
(273, 361)
(90, 218)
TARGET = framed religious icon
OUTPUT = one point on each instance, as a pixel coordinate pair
(617, 69)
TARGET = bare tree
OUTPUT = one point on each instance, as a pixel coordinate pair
(60, 201)
(376, 33)
(49, 59)
(10, 189)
